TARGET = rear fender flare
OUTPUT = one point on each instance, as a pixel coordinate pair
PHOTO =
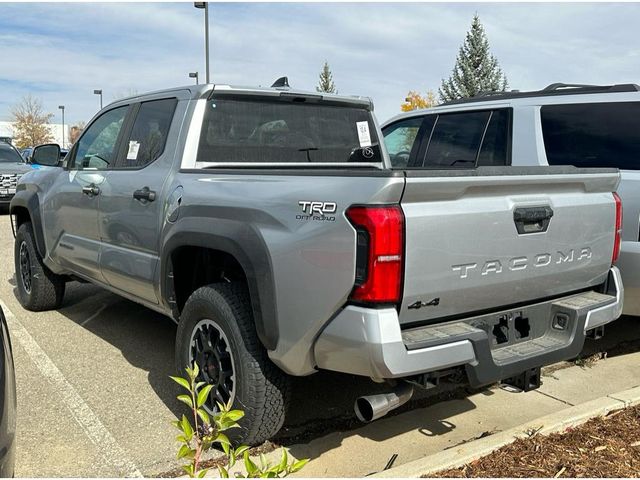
(252, 255)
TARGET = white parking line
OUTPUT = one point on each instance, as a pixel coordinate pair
(94, 315)
(108, 447)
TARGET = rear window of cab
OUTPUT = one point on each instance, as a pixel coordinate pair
(264, 131)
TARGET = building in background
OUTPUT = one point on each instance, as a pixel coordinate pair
(6, 130)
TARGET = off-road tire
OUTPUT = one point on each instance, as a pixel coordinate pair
(261, 389)
(46, 288)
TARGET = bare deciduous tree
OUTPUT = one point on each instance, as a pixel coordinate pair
(30, 123)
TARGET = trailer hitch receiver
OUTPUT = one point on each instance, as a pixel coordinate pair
(525, 381)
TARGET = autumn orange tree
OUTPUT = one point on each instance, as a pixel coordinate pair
(415, 101)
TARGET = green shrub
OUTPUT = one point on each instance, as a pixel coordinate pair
(207, 430)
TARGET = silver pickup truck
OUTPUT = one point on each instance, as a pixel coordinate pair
(271, 226)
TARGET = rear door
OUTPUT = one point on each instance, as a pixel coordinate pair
(131, 206)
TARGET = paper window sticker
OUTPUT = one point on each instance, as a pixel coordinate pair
(134, 147)
(364, 137)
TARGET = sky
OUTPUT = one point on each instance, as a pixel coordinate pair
(61, 52)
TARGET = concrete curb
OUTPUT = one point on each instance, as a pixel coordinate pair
(555, 422)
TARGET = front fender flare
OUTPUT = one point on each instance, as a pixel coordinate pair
(29, 200)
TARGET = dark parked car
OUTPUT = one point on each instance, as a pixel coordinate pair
(12, 167)
(7, 402)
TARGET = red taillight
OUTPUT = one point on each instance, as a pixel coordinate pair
(380, 244)
(618, 237)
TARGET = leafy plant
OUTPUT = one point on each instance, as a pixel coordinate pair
(207, 430)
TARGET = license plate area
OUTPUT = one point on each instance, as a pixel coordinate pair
(514, 327)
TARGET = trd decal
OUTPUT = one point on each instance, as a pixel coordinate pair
(319, 211)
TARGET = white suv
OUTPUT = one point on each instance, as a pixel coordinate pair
(563, 124)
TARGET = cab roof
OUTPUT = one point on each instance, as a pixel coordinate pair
(206, 90)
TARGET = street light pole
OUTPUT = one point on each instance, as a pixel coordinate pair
(61, 107)
(205, 6)
(99, 92)
(206, 37)
(194, 75)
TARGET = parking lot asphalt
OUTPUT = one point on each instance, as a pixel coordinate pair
(95, 398)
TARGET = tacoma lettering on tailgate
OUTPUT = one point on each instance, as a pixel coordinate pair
(521, 263)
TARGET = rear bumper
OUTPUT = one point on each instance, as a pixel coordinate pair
(369, 342)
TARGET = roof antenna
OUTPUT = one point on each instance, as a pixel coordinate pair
(282, 82)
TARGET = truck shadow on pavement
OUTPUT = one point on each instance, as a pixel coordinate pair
(322, 403)
(328, 400)
(321, 414)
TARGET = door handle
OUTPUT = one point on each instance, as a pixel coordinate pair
(145, 194)
(91, 190)
(532, 219)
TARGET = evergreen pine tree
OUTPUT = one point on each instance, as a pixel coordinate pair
(325, 83)
(476, 70)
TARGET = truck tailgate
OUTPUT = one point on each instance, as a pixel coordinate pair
(503, 236)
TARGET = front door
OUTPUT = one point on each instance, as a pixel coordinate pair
(71, 209)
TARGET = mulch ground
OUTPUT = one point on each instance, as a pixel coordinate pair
(603, 447)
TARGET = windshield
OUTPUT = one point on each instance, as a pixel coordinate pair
(9, 155)
(285, 131)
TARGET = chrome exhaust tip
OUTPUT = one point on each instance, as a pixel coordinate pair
(372, 407)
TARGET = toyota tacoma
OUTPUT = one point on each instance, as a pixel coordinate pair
(270, 224)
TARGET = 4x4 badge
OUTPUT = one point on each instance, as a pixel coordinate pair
(419, 304)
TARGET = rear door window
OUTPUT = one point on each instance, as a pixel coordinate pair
(494, 151)
(465, 140)
(455, 140)
(263, 131)
(149, 133)
(593, 134)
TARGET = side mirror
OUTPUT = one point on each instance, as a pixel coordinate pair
(48, 155)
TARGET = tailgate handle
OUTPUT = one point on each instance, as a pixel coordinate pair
(532, 219)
